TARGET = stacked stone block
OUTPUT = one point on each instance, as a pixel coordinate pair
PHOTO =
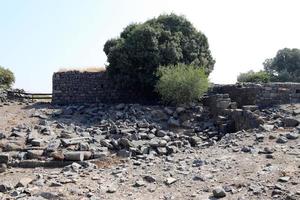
(74, 87)
(263, 95)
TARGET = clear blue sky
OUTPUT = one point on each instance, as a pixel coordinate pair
(38, 37)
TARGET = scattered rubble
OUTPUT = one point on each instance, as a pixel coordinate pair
(132, 151)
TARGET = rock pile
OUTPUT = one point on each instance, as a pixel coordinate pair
(125, 129)
(174, 152)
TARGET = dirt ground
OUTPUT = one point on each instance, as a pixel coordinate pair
(243, 174)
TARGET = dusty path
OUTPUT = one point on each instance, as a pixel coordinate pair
(15, 114)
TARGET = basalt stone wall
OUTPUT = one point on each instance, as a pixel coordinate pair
(74, 87)
(3, 95)
(263, 95)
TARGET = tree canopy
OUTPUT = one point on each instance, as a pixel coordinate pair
(7, 77)
(285, 66)
(135, 56)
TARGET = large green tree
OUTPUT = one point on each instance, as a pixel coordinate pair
(285, 66)
(135, 56)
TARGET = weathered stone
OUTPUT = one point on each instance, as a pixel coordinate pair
(4, 187)
(106, 143)
(84, 147)
(284, 179)
(290, 122)
(173, 122)
(3, 167)
(198, 163)
(37, 142)
(4, 158)
(53, 145)
(73, 141)
(292, 136)
(246, 149)
(50, 195)
(170, 181)
(125, 143)
(100, 155)
(142, 125)
(24, 182)
(111, 189)
(2, 136)
(139, 183)
(267, 127)
(149, 178)
(34, 154)
(162, 150)
(159, 115)
(57, 155)
(74, 156)
(219, 193)
(282, 140)
(250, 107)
(13, 146)
(161, 133)
(124, 153)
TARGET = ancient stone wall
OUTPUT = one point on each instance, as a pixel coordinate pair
(3, 95)
(74, 87)
(262, 95)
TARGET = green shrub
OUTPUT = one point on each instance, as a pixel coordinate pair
(181, 83)
(135, 56)
(254, 77)
(7, 78)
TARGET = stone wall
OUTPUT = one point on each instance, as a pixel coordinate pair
(233, 106)
(3, 95)
(74, 87)
(262, 95)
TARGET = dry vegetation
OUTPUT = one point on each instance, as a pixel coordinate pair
(82, 69)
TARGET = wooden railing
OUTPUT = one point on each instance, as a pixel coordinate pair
(32, 96)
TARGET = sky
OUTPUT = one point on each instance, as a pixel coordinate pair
(37, 38)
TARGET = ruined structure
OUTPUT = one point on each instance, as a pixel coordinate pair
(234, 106)
(74, 87)
(262, 95)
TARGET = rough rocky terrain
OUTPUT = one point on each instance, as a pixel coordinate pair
(129, 151)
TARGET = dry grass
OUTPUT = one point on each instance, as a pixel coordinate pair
(108, 162)
(83, 69)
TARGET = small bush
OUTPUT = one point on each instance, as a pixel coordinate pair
(254, 77)
(7, 78)
(181, 83)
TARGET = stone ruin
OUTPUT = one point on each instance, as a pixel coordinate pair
(7, 95)
(75, 87)
(232, 106)
(3, 95)
(162, 145)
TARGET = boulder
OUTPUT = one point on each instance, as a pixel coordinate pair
(219, 193)
(290, 122)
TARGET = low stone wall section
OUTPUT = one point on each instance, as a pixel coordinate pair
(263, 95)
